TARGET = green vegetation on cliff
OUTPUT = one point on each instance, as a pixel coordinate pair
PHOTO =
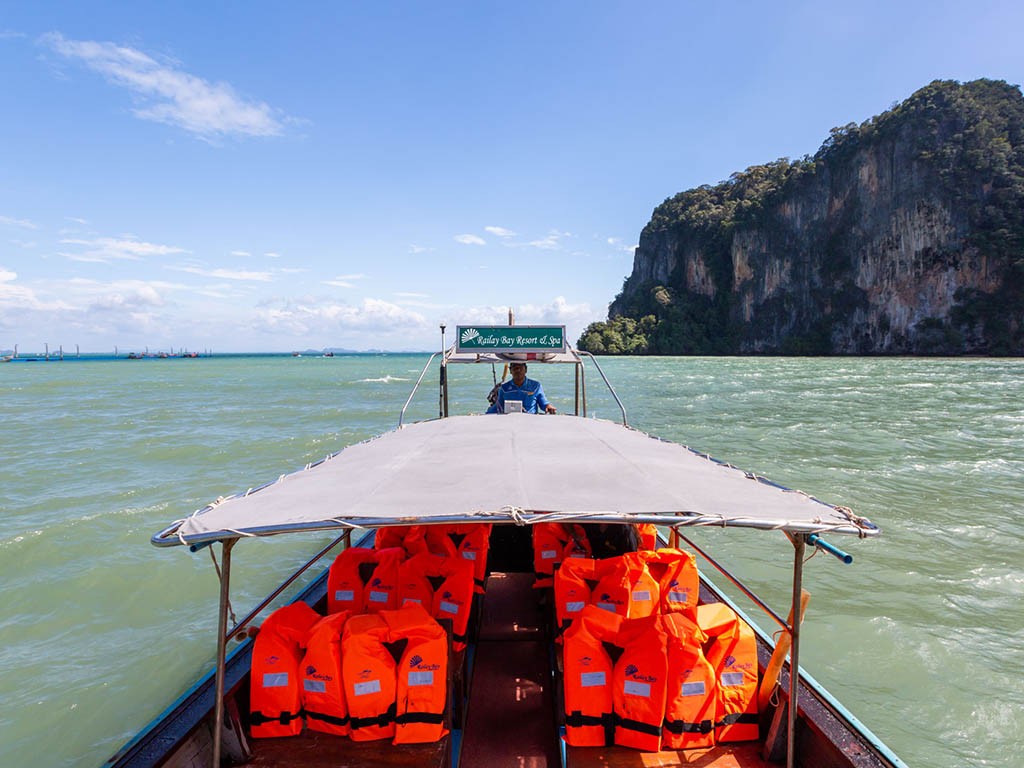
(950, 159)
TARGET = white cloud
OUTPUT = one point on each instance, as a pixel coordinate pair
(345, 281)
(169, 95)
(12, 222)
(552, 242)
(500, 231)
(409, 295)
(228, 274)
(616, 242)
(107, 249)
(470, 240)
(309, 316)
(243, 254)
(6, 275)
(419, 249)
(272, 255)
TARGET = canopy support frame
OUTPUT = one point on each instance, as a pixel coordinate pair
(222, 644)
(799, 545)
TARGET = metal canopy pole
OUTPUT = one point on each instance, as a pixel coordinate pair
(799, 542)
(222, 643)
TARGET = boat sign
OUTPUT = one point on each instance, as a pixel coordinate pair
(511, 338)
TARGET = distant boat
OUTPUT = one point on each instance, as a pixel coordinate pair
(135, 356)
(328, 354)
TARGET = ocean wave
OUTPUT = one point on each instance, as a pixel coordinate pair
(383, 380)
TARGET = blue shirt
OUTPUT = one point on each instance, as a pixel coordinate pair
(531, 394)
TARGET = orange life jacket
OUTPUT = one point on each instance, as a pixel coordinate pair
(323, 693)
(691, 698)
(415, 539)
(639, 683)
(626, 586)
(552, 544)
(732, 650)
(471, 542)
(678, 582)
(368, 671)
(588, 670)
(391, 536)
(574, 581)
(275, 695)
(364, 580)
(422, 684)
(648, 535)
(444, 586)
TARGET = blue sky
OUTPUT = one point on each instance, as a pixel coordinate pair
(269, 176)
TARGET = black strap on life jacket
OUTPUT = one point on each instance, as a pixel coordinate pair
(681, 726)
(577, 719)
(385, 718)
(638, 726)
(738, 717)
(258, 718)
(329, 719)
(430, 718)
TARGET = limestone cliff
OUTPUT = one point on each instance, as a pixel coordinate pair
(903, 235)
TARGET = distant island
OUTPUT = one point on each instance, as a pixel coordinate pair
(901, 235)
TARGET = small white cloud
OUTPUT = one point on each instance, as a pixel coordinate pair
(76, 220)
(408, 295)
(6, 275)
(242, 254)
(338, 283)
(470, 240)
(500, 231)
(346, 278)
(107, 249)
(419, 249)
(169, 95)
(616, 242)
(552, 242)
(12, 222)
(228, 274)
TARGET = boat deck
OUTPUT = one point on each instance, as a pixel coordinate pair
(510, 719)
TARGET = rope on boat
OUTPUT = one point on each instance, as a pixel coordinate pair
(517, 515)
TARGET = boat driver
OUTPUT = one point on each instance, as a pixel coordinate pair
(527, 391)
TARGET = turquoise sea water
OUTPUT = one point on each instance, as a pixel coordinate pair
(920, 638)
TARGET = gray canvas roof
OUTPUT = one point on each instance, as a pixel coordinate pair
(513, 467)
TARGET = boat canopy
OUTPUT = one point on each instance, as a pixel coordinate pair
(519, 468)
